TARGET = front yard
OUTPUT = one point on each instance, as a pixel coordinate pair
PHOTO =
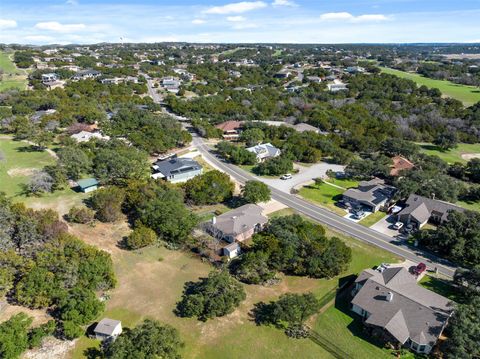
(325, 195)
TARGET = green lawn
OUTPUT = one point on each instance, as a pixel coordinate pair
(343, 182)
(440, 286)
(373, 218)
(467, 94)
(12, 76)
(472, 206)
(324, 195)
(453, 155)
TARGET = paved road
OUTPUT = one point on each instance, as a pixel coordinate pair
(324, 216)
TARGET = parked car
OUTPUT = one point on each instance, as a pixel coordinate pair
(409, 228)
(420, 268)
(397, 226)
(359, 215)
(286, 176)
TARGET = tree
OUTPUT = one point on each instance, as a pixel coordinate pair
(252, 136)
(141, 237)
(36, 335)
(209, 188)
(79, 306)
(108, 203)
(71, 330)
(255, 191)
(40, 182)
(274, 166)
(14, 336)
(42, 138)
(253, 268)
(473, 170)
(75, 161)
(446, 140)
(464, 331)
(81, 215)
(215, 296)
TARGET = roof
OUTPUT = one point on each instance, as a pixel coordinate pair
(413, 312)
(264, 150)
(421, 208)
(229, 125)
(107, 326)
(374, 192)
(302, 127)
(240, 220)
(87, 182)
(175, 166)
(400, 164)
(232, 247)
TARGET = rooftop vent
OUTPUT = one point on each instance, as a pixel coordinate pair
(389, 297)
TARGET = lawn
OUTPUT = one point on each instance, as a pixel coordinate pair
(12, 76)
(373, 218)
(324, 195)
(458, 154)
(472, 206)
(467, 94)
(440, 286)
(151, 282)
(343, 182)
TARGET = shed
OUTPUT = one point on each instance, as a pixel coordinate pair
(108, 329)
(87, 185)
(232, 250)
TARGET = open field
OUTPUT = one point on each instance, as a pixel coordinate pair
(462, 153)
(151, 282)
(467, 94)
(12, 76)
(323, 194)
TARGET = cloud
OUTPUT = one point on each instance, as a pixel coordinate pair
(236, 8)
(284, 3)
(72, 2)
(198, 21)
(39, 38)
(346, 16)
(7, 24)
(236, 18)
(58, 27)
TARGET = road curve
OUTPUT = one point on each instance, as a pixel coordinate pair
(330, 219)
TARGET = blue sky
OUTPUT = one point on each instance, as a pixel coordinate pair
(276, 21)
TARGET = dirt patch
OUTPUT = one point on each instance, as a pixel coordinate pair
(14, 172)
(7, 311)
(51, 349)
(470, 156)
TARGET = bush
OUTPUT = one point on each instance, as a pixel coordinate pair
(71, 330)
(255, 191)
(108, 203)
(209, 188)
(274, 166)
(141, 237)
(36, 335)
(81, 215)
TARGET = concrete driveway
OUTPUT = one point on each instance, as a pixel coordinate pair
(384, 226)
(304, 175)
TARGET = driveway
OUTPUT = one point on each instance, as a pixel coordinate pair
(305, 174)
(384, 226)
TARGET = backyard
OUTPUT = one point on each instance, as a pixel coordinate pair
(462, 153)
(467, 94)
(12, 76)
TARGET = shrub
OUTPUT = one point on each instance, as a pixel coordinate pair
(81, 215)
(141, 237)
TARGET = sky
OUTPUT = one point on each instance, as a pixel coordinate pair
(234, 21)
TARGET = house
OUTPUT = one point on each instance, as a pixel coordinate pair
(337, 87)
(314, 79)
(238, 224)
(176, 169)
(231, 129)
(395, 308)
(373, 194)
(171, 84)
(38, 115)
(282, 75)
(264, 151)
(86, 74)
(108, 329)
(87, 185)
(419, 210)
(112, 81)
(50, 77)
(400, 164)
(354, 69)
(85, 136)
(232, 250)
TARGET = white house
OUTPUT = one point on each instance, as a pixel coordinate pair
(85, 136)
(232, 250)
(108, 329)
(50, 77)
(264, 151)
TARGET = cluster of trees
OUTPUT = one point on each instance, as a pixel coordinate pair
(42, 266)
(274, 166)
(236, 154)
(255, 191)
(214, 296)
(295, 246)
(209, 188)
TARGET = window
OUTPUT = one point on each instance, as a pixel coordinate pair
(414, 346)
(421, 348)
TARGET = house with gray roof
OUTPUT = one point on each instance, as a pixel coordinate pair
(373, 194)
(395, 308)
(264, 151)
(176, 170)
(238, 224)
(86, 74)
(108, 329)
(419, 210)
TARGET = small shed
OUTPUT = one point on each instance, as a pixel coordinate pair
(87, 185)
(108, 329)
(232, 250)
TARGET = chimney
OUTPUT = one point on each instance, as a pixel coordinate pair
(214, 220)
(389, 297)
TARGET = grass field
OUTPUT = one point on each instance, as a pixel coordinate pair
(458, 154)
(440, 286)
(467, 94)
(12, 76)
(373, 218)
(323, 194)
(151, 282)
(343, 182)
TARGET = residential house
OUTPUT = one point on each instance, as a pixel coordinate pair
(171, 84)
(231, 129)
(108, 329)
(38, 115)
(85, 136)
(282, 75)
(354, 69)
(112, 81)
(232, 250)
(264, 151)
(238, 224)
(419, 210)
(50, 77)
(86, 74)
(314, 79)
(176, 170)
(87, 185)
(395, 308)
(373, 194)
(335, 87)
(400, 164)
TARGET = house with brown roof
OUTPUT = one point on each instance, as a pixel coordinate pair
(231, 129)
(400, 164)
(396, 309)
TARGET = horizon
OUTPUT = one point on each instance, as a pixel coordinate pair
(302, 22)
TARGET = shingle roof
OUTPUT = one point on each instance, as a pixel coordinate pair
(229, 125)
(264, 149)
(106, 326)
(414, 312)
(240, 220)
(400, 164)
(175, 166)
(374, 191)
(421, 208)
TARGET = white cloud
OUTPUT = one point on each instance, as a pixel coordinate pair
(58, 27)
(71, 2)
(236, 8)
(236, 18)
(7, 24)
(198, 21)
(346, 16)
(284, 3)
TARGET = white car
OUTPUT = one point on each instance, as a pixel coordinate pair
(398, 225)
(286, 176)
